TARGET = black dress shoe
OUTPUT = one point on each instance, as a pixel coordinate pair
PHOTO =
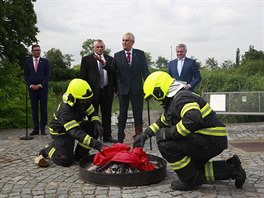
(121, 137)
(43, 133)
(34, 132)
(111, 140)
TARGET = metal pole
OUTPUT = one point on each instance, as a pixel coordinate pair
(26, 137)
(150, 140)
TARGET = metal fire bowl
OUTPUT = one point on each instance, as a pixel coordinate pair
(124, 179)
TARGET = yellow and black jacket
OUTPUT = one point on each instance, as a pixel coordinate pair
(67, 120)
(190, 113)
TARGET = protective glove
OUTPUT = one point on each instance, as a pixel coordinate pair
(98, 130)
(166, 134)
(97, 145)
(140, 140)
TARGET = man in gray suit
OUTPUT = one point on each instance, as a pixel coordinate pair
(131, 67)
(184, 69)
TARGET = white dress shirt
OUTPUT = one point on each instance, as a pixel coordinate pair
(180, 65)
(100, 66)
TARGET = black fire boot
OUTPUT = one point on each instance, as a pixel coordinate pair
(198, 180)
(236, 171)
(46, 149)
(43, 152)
(121, 137)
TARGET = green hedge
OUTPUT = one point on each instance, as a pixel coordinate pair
(59, 87)
(227, 81)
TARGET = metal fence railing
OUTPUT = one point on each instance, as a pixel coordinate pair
(236, 103)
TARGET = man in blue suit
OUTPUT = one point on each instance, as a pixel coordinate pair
(37, 75)
(131, 67)
(184, 69)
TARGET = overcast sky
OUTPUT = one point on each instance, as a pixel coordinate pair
(209, 28)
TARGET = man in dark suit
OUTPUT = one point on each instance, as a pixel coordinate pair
(96, 70)
(184, 69)
(132, 69)
(37, 75)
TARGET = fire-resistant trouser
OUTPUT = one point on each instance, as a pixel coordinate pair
(188, 156)
(61, 149)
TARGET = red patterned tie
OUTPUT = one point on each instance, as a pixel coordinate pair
(128, 57)
(36, 64)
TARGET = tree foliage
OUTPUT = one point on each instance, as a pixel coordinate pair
(252, 62)
(252, 54)
(237, 57)
(87, 47)
(60, 65)
(12, 96)
(161, 62)
(149, 59)
(17, 28)
(17, 31)
(227, 64)
(211, 63)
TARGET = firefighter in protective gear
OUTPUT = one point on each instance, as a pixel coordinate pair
(69, 123)
(188, 135)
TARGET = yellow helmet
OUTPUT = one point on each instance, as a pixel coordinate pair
(157, 85)
(77, 89)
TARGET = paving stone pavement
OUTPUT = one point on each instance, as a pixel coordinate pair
(20, 177)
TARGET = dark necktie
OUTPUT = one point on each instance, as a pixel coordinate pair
(36, 64)
(101, 70)
(128, 57)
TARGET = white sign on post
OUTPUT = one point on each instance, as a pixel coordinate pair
(218, 102)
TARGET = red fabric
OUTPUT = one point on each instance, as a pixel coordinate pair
(119, 152)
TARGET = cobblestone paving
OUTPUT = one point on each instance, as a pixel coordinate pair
(20, 177)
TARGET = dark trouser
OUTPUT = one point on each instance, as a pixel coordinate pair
(61, 149)
(39, 97)
(199, 149)
(105, 102)
(137, 108)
